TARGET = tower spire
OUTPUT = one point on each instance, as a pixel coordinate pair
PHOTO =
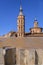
(35, 23)
(21, 10)
(35, 19)
(21, 23)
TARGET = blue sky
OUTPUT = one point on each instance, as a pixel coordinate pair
(9, 10)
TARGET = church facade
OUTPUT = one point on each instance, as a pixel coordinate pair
(21, 48)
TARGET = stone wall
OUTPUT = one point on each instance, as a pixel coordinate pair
(30, 57)
(10, 56)
(17, 56)
(1, 57)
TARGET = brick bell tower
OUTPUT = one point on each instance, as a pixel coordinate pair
(20, 23)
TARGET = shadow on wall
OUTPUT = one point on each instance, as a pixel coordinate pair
(36, 58)
(10, 57)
